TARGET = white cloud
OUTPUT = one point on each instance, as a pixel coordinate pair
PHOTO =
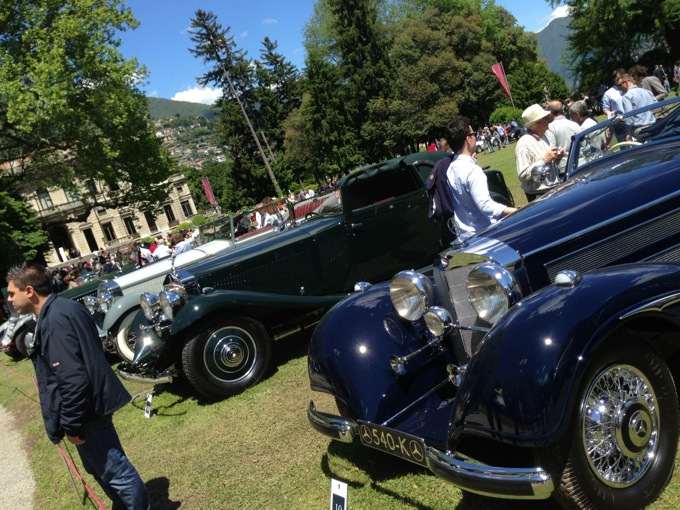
(270, 21)
(203, 95)
(153, 93)
(561, 12)
(243, 35)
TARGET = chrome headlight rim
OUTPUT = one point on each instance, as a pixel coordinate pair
(170, 303)
(492, 290)
(107, 292)
(150, 305)
(91, 303)
(438, 321)
(104, 301)
(411, 294)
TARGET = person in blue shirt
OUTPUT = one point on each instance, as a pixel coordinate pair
(635, 97)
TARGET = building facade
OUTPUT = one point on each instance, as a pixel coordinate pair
(72, 225)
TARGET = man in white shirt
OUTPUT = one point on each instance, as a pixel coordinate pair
(612, 105)
(162, 250)
(560, 132)
(473, 206)
(578, 112)
(536, 160)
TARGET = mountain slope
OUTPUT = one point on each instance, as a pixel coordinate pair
(552, 45)
(166, 108)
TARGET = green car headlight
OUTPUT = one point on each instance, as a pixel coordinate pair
(104, 301)
(91, 303)
(411, 294)
(170, 303)
(492, 290)
(150, 305)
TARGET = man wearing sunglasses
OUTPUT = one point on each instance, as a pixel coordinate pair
(473, 206)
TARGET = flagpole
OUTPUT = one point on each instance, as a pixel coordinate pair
(506, 81)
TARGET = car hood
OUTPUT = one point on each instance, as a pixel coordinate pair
(260, 246)
(624, 184)
(163, 266)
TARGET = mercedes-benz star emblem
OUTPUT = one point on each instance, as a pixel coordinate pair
(417, 451)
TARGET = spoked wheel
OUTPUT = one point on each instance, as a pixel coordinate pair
(625, 436)
(124, 340)
(231, 355)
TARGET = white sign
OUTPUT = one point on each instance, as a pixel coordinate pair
(338, 495)
(147, 406)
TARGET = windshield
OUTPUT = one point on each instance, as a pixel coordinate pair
(654, 122)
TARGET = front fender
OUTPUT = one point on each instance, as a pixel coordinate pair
(523, 383)
(349, 357)
(122, 306)
(247, 302)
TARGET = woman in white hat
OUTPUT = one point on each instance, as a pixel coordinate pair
(536, 160)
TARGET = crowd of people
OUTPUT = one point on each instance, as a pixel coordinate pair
(103, 262)
(542, 150)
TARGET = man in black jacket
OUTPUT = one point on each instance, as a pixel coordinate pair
(79, 392)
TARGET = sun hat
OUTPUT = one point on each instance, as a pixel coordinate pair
(533, 114)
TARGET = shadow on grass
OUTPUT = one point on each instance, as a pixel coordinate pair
(159, 493)
(380, 467)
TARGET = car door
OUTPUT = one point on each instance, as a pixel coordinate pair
(388, 225)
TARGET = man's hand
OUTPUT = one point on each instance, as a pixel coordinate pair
(75, 440)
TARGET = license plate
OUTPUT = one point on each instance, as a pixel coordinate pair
(404, 446)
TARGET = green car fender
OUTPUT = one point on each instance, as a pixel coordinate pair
(248, 303)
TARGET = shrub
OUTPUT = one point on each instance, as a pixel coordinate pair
(505, 114)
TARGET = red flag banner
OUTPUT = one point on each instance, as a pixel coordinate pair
(208, 190)
(500, 74)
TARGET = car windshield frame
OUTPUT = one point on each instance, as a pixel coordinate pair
(666, 126)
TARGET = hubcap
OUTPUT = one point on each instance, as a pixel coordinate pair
(230, 354)
(620, 425)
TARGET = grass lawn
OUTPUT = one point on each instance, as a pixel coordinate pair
(252, 451)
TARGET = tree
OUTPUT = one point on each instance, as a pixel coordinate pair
(606, 34)
(257, 97)
(70, 109)
(21, 235)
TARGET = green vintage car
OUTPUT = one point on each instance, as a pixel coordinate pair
(216, 322)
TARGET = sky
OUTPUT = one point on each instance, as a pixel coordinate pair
(161, 42)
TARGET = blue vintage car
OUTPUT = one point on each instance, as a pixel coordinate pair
(518, 368)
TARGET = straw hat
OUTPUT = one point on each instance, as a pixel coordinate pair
(533, 114)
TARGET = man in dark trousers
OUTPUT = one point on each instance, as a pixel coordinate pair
(79, 392)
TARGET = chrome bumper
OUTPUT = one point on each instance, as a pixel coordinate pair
(335, 427)
(460, 470)
(165, 377)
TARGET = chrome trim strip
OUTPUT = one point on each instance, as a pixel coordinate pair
(336, 427)
(657, 305)
(509, 483)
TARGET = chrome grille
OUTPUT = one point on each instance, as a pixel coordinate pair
(454, 297)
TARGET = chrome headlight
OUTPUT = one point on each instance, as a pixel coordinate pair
(104, 301)
(170, 303)
(492, 290)
(438, 320)
(411, 294)
(150, 305)
(90, 303)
